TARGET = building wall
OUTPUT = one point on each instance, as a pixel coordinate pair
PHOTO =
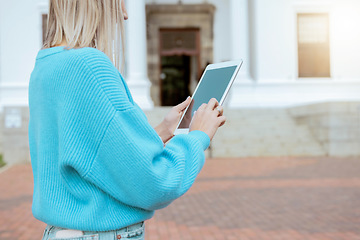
(335, 126)
(272, 80)
(346, 40)
(324, 129)
(19, 42)
(15, 145)
(273, 56)
(275, 37)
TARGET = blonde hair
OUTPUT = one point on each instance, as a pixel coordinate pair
(88, 23)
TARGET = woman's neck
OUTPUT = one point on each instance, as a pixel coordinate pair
(63, 43)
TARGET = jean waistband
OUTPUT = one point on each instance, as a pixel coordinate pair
(129, 231)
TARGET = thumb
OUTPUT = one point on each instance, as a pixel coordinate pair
(183, 105)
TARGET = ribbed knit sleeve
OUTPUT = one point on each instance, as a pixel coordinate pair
(133, 166)
(131, 163)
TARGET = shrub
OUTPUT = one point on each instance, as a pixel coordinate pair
(2, 163)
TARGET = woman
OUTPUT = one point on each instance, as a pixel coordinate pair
(100, 170)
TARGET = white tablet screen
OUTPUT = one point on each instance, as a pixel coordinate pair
(213, 85)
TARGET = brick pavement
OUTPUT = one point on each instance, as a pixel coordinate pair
(243, 199)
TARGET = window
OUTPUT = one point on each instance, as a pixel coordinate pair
(313, 45)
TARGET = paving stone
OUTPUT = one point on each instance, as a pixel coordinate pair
(293, 198)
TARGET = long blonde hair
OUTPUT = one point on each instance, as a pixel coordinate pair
(88, 23)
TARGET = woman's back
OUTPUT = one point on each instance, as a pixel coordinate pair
(98, 165)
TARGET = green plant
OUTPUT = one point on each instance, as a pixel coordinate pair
(2, 163)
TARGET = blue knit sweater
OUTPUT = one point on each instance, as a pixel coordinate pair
(97, 163)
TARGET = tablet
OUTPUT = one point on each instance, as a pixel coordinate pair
(214, 83)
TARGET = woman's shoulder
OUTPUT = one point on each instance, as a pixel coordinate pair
(90, 51)
(93, 56)
(95, 61)
(105, 74)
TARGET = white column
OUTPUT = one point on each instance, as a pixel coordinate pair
(136, 57)
(239, 29)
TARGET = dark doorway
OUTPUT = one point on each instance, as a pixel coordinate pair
(179, 67)
(175, 78)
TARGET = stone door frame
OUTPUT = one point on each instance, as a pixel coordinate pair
(172, 16)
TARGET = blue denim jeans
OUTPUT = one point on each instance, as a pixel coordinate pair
(133, 232)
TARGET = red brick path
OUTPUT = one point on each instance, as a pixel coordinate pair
(259, 199)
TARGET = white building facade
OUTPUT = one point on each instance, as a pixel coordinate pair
(295, 52)
(263, 33)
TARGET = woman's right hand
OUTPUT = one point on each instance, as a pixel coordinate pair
(208, 118)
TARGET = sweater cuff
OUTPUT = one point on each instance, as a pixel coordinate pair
(203, 138)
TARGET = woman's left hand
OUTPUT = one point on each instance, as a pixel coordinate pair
(167, 127)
